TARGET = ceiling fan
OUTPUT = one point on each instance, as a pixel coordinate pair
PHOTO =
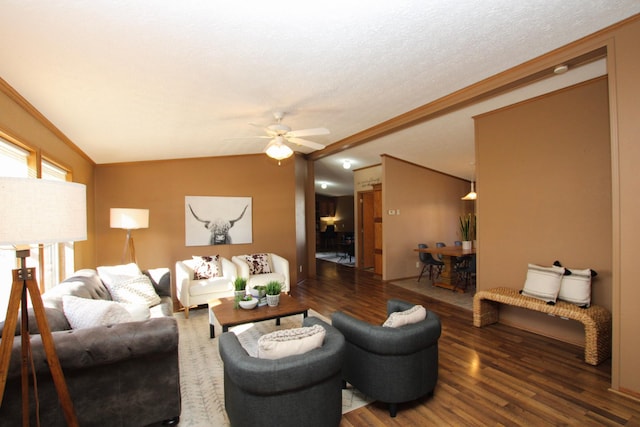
(281, 134)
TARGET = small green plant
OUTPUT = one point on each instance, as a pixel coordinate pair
(240, 283)
(274, 288)
(247, 297)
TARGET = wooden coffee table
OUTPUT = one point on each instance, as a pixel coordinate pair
(222, 309)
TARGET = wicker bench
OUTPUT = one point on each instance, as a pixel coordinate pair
(596, 320)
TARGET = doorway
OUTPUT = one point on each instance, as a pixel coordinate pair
(366, 241)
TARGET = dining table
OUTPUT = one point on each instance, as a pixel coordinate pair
(450, 256)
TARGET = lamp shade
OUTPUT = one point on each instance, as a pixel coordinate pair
(471, 195)
(277, 149)
(41, 211)
(129, 219)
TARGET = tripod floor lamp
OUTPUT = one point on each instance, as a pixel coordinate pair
(36, 211)
(129, 219)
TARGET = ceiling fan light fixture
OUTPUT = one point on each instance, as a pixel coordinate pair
(472, 195)
(276, 149)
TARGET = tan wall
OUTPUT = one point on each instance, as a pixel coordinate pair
(299, 265)
(624, 69)
(429, 204)
(544, 167)
(20, 122)
(162, 186)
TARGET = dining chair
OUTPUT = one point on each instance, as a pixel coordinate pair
(466, 271)
(440, 245)
(429, 263)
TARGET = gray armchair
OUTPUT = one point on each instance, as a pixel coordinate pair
(391, 365)
(303, 390)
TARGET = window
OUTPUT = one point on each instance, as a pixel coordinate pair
(13, 160)
(54, 267)
(52, 262)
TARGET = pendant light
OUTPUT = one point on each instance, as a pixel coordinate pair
(472, 195)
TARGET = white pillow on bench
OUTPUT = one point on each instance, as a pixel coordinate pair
(543, 282)
(576, 287)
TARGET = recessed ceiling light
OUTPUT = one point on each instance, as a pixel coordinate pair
(323, 185)
(346, 164)
(561, 69)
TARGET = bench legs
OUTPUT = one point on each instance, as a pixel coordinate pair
(485, 312)
(597, 325)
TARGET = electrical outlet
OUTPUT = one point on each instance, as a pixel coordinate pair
(300, 269)
(417, 264)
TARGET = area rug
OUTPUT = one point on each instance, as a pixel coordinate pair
(337, 258)
(201, 369)
(424, 287)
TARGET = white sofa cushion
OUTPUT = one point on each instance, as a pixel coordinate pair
(263, 279)
(208, 286)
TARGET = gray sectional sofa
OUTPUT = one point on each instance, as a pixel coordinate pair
(125, 374)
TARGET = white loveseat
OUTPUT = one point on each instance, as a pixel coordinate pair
(191, 291)
(260, 269)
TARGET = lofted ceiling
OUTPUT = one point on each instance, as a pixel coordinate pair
(132, 81)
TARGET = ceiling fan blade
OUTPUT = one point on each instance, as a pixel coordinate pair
(249, 137)
(308, 132)
(306, 143)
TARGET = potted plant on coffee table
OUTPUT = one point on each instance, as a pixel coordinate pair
(273, 293)
(240, 286)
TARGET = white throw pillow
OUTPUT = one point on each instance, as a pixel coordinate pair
(89, 313)
(134, 290)
(415, 314)
(289, 342)
(116, 273)
(576, 287)
(543, 282)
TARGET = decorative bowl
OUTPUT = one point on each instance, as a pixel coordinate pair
(248, 305)
(257, 293)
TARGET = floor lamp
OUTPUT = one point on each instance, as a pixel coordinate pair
(129, 219)
(36, 211)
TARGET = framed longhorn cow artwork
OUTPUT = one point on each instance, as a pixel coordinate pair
(217, 220)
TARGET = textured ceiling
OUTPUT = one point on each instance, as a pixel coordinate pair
(131, 80)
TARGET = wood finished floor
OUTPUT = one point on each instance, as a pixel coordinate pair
(490, 376)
